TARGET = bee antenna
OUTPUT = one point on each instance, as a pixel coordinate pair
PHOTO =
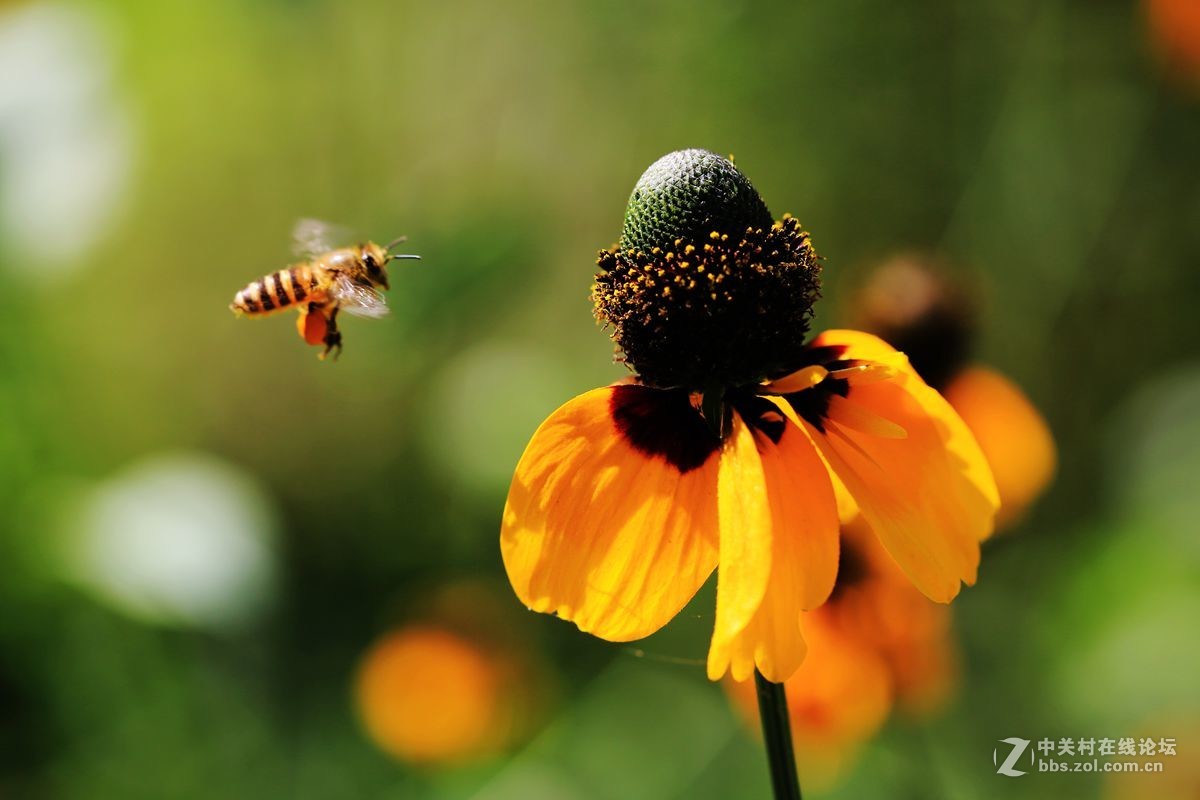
(395, 242)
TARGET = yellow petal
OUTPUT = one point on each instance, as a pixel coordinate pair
(745, 525)
(1012, 434)
(611, 519)
(804, 553)
(960, 441)
(852, 415)
(929, 497)
(799, 380)
(866, 373)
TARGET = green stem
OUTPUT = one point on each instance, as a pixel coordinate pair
(777, 734)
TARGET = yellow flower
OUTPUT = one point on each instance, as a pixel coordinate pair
(723, 454)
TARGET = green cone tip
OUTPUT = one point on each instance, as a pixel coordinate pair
(686, 195)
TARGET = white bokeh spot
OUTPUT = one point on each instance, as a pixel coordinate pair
(180, 539)
(66, 141)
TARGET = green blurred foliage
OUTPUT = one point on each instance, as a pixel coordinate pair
(1033, 143)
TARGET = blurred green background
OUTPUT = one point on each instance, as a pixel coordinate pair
(203, 527)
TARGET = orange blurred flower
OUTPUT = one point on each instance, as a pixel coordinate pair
(447, 688)
(877, 644)
(912, 304)
(427, 694)
(1014, 437)
(1174, 27)
(725, 451)
(875, 603)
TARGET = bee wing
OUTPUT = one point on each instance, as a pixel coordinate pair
(357, 299)
(312, 237)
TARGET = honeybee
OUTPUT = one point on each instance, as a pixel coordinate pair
(327, 281)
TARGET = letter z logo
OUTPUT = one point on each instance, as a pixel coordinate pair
(1018, 749)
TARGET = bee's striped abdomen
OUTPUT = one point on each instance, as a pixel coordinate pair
(277, 290)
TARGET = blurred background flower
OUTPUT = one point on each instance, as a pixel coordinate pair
(453, 685)
(1175, 35)
(180, 539)
(921, 308)
(877, 644)
(66, 136)
(153, 159)
(837, 702)
(427, 695)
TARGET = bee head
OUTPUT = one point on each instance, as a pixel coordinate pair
(374, 259)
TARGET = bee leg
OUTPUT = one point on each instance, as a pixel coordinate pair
(333, 337)
(333, 342)
(312, 324)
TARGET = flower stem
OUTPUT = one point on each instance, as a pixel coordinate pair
(777, 734)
